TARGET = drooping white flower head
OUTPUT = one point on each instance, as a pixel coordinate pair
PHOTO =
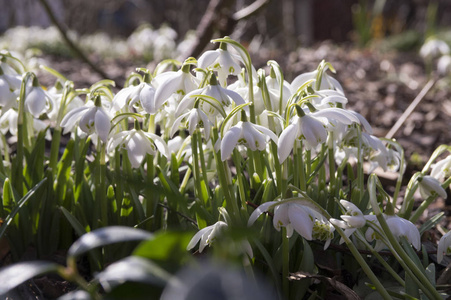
(8, 122)
(91, 118)
(36, 100)
(223, 96)
(442, 169)
(169, 83)
(327, 82)
(194, 118)
(254, 137)
(444, 246)
(138, 143)
(55, 97)
(429, 185)
(221, 61)
(352, 219)
(434, 48)
(141, 97)
(9, 89)
(207, 236)
(298, 217)
(311, 127)
(400, 227)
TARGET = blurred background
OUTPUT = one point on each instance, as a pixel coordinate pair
(281, 25)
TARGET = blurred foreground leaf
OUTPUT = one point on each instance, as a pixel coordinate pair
(14, 275)
(106, 236)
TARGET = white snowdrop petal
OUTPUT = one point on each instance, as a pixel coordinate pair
(102, 124)
(230, 141)
(286, 142)
(258, 211)
(301, 221)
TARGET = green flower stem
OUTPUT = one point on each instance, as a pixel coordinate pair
(185, 181)
(101, 190)
(240, 177)
(285, 263)
(429, 288)
(224, 175)
(333, 191)
(70, 273)
(151, 196)
(355, 252)
(401, 261)
(56, 137)
(197, 175)
(119, 189)
(308, 161)
(17, 172)
(407, 205)
(301, 167)
(379, 287)
(6, 157)
(203, 165)
(425, 204)
(360, 175)
(383, 262)
(297, 166)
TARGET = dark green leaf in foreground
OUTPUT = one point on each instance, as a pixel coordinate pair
(168, 247)
(14, 275)
(106, 236)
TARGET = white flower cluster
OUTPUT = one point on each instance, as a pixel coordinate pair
(212, 99)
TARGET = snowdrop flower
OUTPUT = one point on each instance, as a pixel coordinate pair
(9, 89)
(91, 118)
(305, 127)
(311, 128)
(444, 246)
(433, 48)
(245, 133)
(352, 219)
(441, 169)
(138, 143)
(327, 101)
(207, 235)
(194, 118)
(429, 186)
(222, 61)
(224, 97)
(8, 122)
(327, 82)
(444, 65)
(55, 97)
(400, 228)
(293, 215)
(141, 96)
(169, 83)
(36, 99)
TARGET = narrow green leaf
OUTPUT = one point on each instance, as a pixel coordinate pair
(20, 204)
(106, 236)
(14, 275)
(431, 222)
(79, 229)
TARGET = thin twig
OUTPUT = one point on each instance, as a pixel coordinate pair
(69, 42)
(411, 108)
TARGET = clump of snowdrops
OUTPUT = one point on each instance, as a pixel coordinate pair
(214, 157)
